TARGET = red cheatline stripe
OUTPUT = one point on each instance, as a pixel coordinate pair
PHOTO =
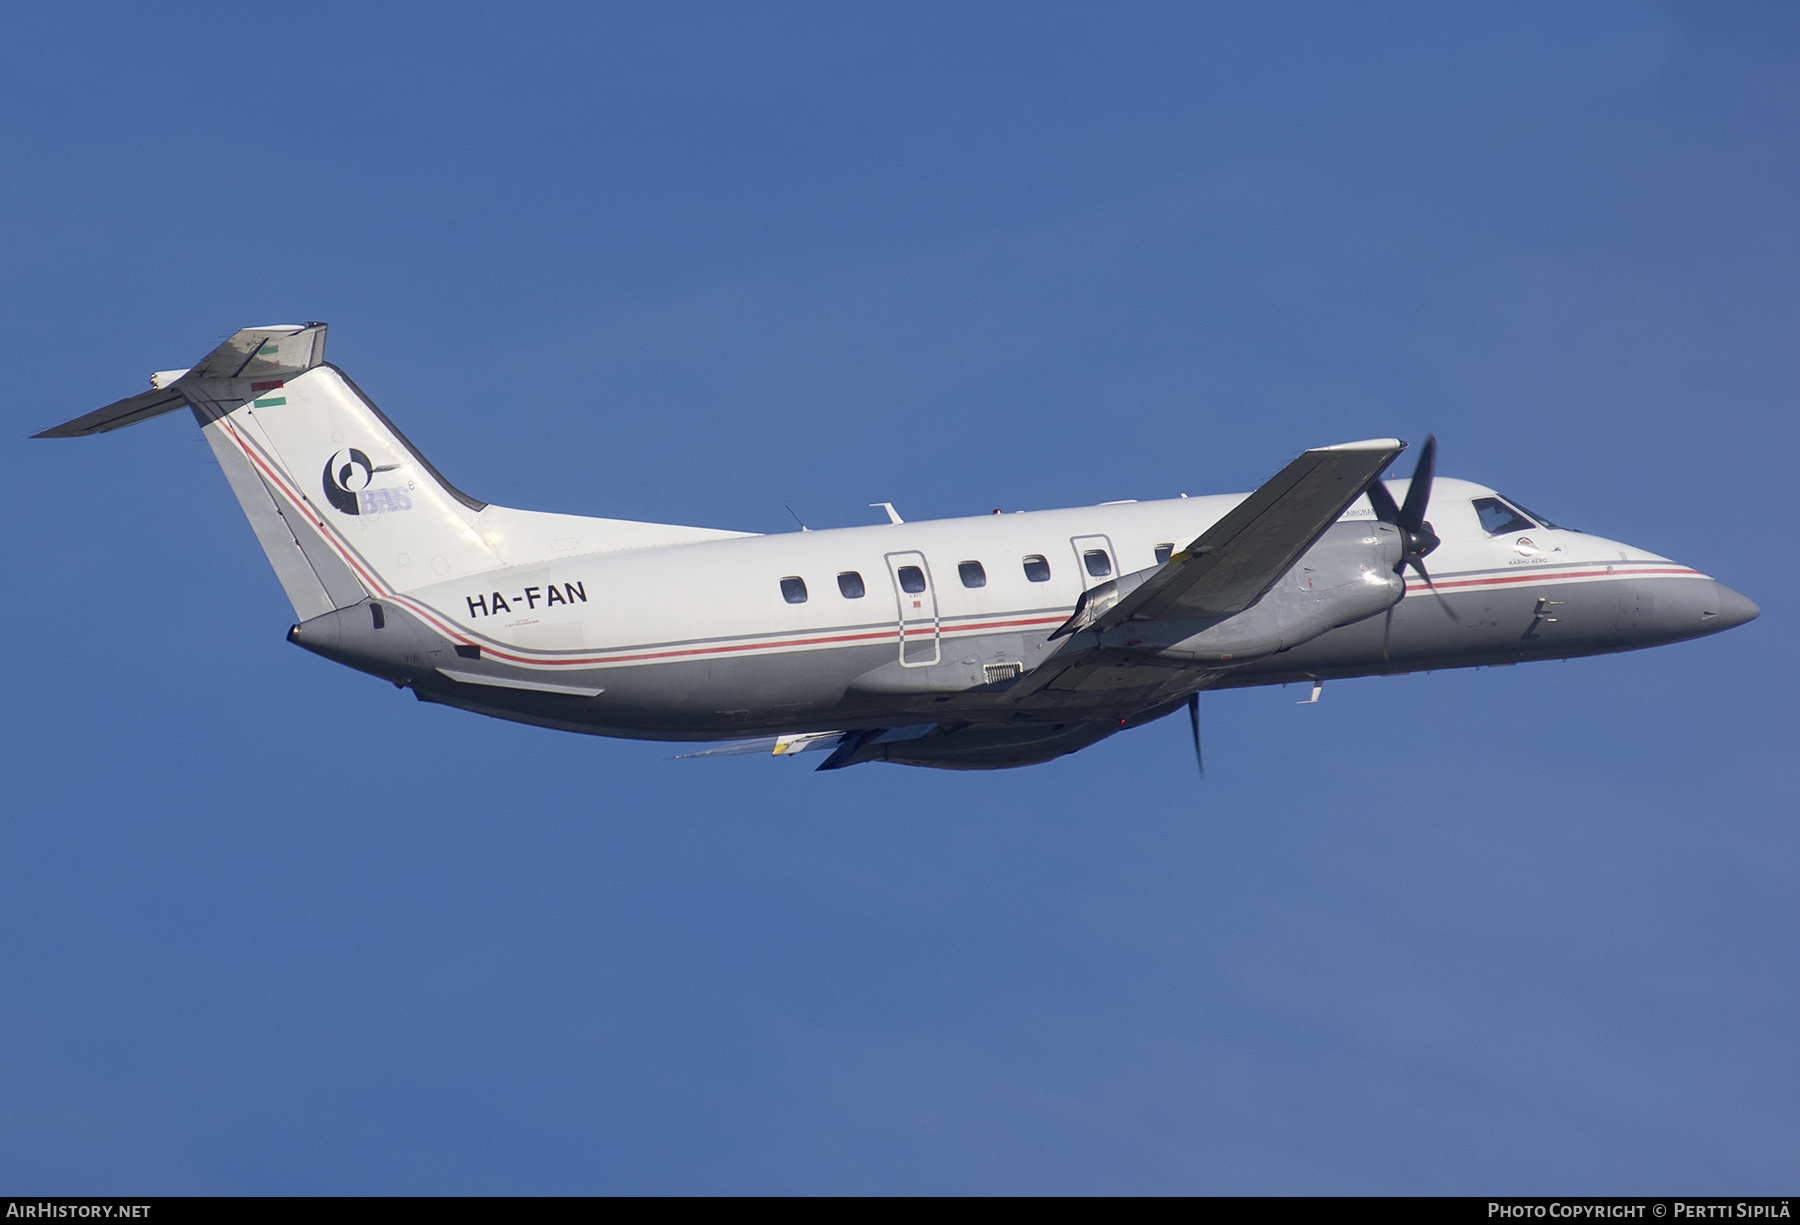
(672, 652)
(721, 650)
(998, 625)
(349, 556)
(1543, 576)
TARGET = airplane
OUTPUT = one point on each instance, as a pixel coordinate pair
(985, 642)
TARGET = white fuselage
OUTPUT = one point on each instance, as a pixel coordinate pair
(698, 640)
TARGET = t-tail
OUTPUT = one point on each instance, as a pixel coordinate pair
(343, 504)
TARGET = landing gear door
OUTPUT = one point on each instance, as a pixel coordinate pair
(916, 599)
(1095, 560)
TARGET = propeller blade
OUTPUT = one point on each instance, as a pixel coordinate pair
(1194, 721)
(1386, 509)
(1387, 627)
(1418, 492)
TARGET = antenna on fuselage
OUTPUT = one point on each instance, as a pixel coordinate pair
(893, 515)
(790, 510)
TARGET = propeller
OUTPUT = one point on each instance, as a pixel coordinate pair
(1417, 538)
(1194, 722)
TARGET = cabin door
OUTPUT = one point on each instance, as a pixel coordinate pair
(916, 599)
(1095, 560)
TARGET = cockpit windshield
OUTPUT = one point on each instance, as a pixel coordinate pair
(1543, 521)
(1497, 517)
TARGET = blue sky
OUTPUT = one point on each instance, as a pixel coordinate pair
(272, 926)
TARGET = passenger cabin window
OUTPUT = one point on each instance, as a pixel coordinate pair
(793, 589)
(851, 584)
(972, 574)
(1163, 553)
(1037, 569)
(1097, 562)
(912, 579)
(1497, 517)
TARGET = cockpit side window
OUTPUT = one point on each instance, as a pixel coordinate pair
(1497, 517)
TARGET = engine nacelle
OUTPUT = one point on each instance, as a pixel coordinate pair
(1350, 574)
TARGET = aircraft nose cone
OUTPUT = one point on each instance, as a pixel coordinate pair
(1734, 609)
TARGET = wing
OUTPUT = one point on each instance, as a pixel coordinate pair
(1241, 556)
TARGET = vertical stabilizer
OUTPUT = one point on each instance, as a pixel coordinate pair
(344, 506)
(368, 513)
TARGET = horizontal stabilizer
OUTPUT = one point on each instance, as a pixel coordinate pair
(271, 353)
(263, 353)
(1241, 556)
(120, 414)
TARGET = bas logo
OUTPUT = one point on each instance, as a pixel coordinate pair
(347, 477)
